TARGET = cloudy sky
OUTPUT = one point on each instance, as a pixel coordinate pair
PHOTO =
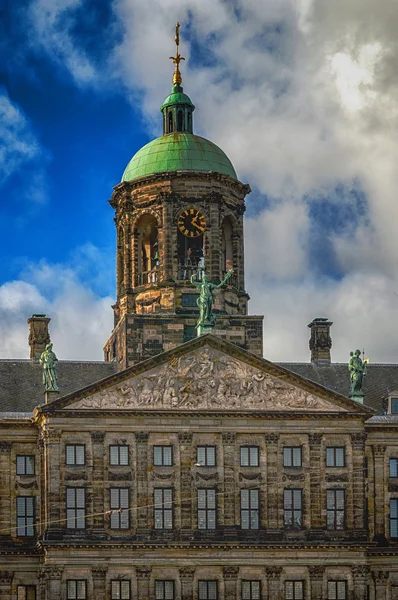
(300, 94)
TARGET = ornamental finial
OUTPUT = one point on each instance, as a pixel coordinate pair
(177, 79)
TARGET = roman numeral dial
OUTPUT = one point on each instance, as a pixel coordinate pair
(191, 223)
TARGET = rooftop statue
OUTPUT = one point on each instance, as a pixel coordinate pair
(205, 301)
(48, 360)
(357, 369)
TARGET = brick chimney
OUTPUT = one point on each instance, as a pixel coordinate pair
(320, 341)
(39, 336)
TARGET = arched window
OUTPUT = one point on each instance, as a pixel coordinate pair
(180, 117)
(227, 251)
(147, 259)
(170, 117)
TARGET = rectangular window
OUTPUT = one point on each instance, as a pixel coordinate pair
(25, 516)
(337, 590)
(206, 456)
(120, 589)
(26, 592)
(207, 590)
(394, 405)
(292, 456)
(249, 509)
(294, 590)
(119, 504)
(189, 300)
(394, 518)
(335, 457)
(335, 508)
(249, 456)
(293, 508)
(206, 508)
(75, 455)
(118, 455)
(393, 467)
(25, 464)
(251, 590)
(163, 456)
(75, 508)
(76, 589)
(163, 501)
(164, 590)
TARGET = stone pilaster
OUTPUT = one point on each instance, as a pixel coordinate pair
(142, 482)
(42, 585)
(52, 438)
(99, 578)
(6, 578)
(98, 506)
(274, 582)
(315, 442)
(379, 491)
(381, 580)
(185, 439)
(143, 580)
(186, 576)
(360, 576)
(228, 498)
(54, 583)
(212, 257)
(230, 575)
(5, 483)
(358, 479)
(316, 576)
(272, 440)
(166, 243)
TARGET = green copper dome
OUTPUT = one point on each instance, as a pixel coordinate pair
(178, 152)
(177, 96)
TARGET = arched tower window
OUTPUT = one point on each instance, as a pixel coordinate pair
(226, 241)
(189, 122)
(147, 260)
(180, 118)
(170, 118)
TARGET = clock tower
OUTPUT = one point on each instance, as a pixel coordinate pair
(179, 213)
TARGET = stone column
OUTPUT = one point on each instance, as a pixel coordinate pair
(230, 575)
(316, 577)
(99, 579)
(142, 483)
(273, 468)
(52, 496)
(316, 493)
(186, 492)
(143, 579)
(212, 258)
(227, 500)
(274, 582)
(6, 578)
(360, 577)
(358, 479)
(166, 242)
(98, 506)
(5, 483)
(381, 579)
(379, 491)
(54, 583)
(42, 586)
(186, 577)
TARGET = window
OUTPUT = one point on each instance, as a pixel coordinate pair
(394, 518)
(119, 455)
(207, 590)
(75, 508)
(25, 516)
(163, 501)
(337, 590)
(251, 590)
(170, 116)
(120, 589)
(394, 406)
(76, 589)
(164, 590)
(163, 456)
(206, 509)
(293, 508)
(26, 592)
(335, 508)
(294, 590)
(25, 464)
(120, 502)
(75, 454)
(189, 300)
(292, 456)
(249, 456)
(249, 509)
(393, 467)
(206, 456)
(335, 457)
(179, 120)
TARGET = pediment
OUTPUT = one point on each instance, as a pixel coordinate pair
(205, 377)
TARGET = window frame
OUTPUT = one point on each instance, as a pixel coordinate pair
(29, 520)
(293, 510)
(207, 581)
(119, 509)
(26, 589)
(76, 508)
(337, 596)
(334, 510)
(335, 448)
(250, 596)
(119, 583)
(206, 510)
(163, 447)
(163, 595)
(249, 448)
(392, 460)
(118, 463)
(206, 447)
(25, 457)
(76, 581)
(393, 519)
(75, 464)
(250, 510)
(291, 450)
(162, 510)
(393, 399)
(294, 582)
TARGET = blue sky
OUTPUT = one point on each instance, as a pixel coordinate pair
(301, 97)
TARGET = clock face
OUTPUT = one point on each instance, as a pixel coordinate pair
(191, 222)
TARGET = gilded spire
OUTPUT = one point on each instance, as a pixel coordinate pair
(177, 79)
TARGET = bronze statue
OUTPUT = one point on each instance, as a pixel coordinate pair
(357, 369)
(206, 298)
(48, 360)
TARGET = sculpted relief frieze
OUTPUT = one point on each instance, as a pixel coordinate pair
(205, 379)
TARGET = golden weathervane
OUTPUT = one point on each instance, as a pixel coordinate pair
(177, 79)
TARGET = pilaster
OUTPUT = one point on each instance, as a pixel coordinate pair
(316, 576)
(186, 492)
(360, 576)
(52, 439)
(272, 440)
(54, 583)
(379, 491)
(5, 483)
(6, 578)
(99, 578)
(186, 577)
(228, 498)
(97, 438)
(143, 579)
(358, 479)
(230, 575)
(315, 442)
(142, 482)
(381, 580)
(274, 582)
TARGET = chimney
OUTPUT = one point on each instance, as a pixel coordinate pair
(320, 341)
(39, 336)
